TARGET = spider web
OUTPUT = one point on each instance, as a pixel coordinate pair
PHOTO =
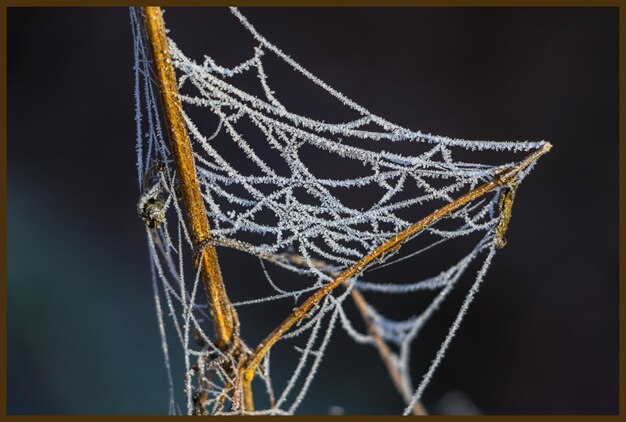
(278, 203)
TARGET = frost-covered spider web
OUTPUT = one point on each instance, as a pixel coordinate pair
(310, 197)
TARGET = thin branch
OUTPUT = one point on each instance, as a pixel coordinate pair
(385, 354)
(219, 303)
(503, 178)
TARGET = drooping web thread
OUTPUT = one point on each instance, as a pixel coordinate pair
(298, 220)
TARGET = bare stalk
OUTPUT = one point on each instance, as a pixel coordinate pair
(385, 354)
(502, 178)
(219, 304)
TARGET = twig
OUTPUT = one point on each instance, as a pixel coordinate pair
(219, 303)
(385, 354)
(503, 178)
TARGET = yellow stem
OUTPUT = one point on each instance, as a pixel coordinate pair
(219, 303)
(502, 178)
(385, 353)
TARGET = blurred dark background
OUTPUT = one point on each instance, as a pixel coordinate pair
(540, 338)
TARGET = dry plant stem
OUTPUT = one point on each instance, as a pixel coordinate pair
(504, 177)
(219, 303)
(385, 354)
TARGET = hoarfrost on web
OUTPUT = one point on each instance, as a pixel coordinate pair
(298, 219)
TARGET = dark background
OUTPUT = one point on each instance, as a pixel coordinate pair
(540, 338)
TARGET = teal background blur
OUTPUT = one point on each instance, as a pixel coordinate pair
(542, 335)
